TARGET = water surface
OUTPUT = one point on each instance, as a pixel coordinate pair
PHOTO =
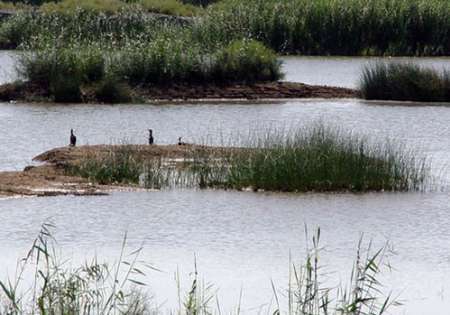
(241, 239)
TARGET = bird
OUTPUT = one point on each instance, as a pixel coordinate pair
(150, 136)
(73, 139)
(181, 142)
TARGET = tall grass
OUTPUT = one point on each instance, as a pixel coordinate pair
(101, 288)
(329, 27)
(325, 159)
(315, 159)
(404, 82)
(166, 60)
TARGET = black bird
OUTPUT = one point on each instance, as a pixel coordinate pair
(73, 139)
(181, 142)
(150, 136)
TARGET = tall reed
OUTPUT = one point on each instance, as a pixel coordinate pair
(316, 158)
(102, 288)
(328, 27)
(404, 82)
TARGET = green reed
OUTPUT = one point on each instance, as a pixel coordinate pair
(325, 159)
(64, 71)
(404, 82)
(328, 27)
(316, 158)
(57, 287)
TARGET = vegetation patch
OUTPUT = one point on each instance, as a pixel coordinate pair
(405, 82)
(315, 159)
(57, 286)
(328, 27)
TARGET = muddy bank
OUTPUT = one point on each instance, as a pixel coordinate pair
(21, 91)
(51, 179)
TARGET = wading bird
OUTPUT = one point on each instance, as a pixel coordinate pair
(73, 139)
(150, 136)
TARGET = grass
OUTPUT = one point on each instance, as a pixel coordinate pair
(310, 159)
(120, 288)
(323, 27)
(325, 159)
(65, 71)
(329, 27)
(404, 82)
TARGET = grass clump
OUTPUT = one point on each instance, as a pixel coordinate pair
(404, 82)
(248, 61)
(109, 90)
(92, 288)
(118, 166)
(324, 159)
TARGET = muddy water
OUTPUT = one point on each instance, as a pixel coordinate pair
(240, 239)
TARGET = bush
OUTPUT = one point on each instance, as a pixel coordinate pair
(404, 82)
(110, 90)
(247, 61)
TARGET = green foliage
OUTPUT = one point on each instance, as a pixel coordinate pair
(110, 90)
(246, 60)
(323, 159)
(404, 82)
(314, 159)
(329, 27)
(117, 166)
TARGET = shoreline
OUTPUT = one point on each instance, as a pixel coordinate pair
(175, 93)
(50, 178)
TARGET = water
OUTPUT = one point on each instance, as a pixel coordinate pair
(241, 239)
(344, 71)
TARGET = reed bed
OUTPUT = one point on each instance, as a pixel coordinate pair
(325, 27)
(65, 71)
(329, 27)
(316, 159)
(103, 288)
(405, 82)
(31, 30)
(319, 158)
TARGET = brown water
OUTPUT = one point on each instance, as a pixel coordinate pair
(241, 239)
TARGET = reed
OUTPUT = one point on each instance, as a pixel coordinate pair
(328, 27)
(64, 71)
(102, 288)
(404, 82)
(316, 158)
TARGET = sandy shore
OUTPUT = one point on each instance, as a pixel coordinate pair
(51, 179)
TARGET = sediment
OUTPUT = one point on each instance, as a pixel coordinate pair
(51, 179)
(23, 91)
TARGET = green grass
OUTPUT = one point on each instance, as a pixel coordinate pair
(311, 159)
(404, 82)
(330, 27)
(325, 159)
(323, 27)
(56, 286)
(64, 71)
